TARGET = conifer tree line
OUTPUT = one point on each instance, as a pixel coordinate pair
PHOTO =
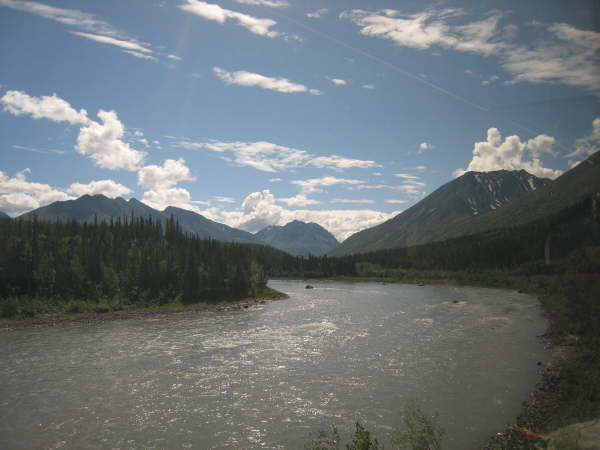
(137, 261)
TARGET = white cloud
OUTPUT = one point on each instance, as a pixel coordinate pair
(264, 156)
(339, 82)
(587, 145)
(569, 55)
(275, 180)
(104, 144)
(243, 78)
(430, 28)
(560, 53)
(175, 57)
(140, 55)
(368, 86)
(45, 107)
(108, 188)
(269, 3)
(338, 163)
(221, 199)
(95, 29)
(127, 45)
(259, 210)
(317, 14)
(511, 154)
(490, 80)
(406, 176)
(298, 200)
(358, 201)
(17, 195)
(396, 202)
(315, 184)
(71, 17)
(161, 198)
(424, 146)
(157, 178)
(218, 14)
(269, 157)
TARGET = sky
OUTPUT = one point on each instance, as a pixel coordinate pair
(260, 112)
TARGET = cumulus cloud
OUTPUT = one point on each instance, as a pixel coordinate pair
(396, 202)
(211, 11)
(511, 154)
(161, 198)
(249, 79)
(358, 201)
(166, 176)
(108, 188)
(100, 141)
(368, 86)
(313, 185)
(103, 143)
(269, 3)
(45, 107)
(17, 195)
(260, 209)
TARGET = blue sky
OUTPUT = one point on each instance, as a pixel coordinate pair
(259, 112)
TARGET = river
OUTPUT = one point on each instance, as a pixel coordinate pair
(269, 376)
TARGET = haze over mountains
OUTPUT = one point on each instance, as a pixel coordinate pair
(477, 202)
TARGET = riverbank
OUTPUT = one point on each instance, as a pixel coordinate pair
(88, 318)
(569, 390)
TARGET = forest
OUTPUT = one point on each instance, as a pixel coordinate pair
(73, 267)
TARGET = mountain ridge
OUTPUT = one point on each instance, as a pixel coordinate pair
(471, 194)
(299, 238)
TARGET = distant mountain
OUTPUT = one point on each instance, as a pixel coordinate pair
(565, 191)
(205, 228)
(465, 197)
(3, 215)
(89, 208)
(299, 238)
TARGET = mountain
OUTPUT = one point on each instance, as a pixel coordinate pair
(299, 238)
(197, 224)
(89, 208)
(470, 195)
(3, 215)
(568, 189)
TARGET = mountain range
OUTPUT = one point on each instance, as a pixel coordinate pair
(299, 238)
(3, 215)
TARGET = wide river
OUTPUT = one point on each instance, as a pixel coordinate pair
(272, 375)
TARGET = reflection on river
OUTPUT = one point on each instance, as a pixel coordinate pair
(268, 376)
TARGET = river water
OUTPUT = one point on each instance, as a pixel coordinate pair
(269, 376)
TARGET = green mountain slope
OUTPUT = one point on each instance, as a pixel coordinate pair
(465, 197)
(299, 238)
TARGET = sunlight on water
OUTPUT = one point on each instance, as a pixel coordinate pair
(269, 376)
